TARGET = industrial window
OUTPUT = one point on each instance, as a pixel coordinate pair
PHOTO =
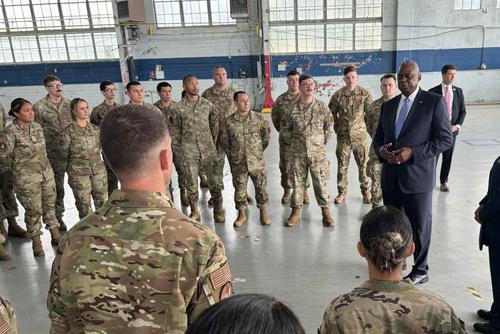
(466, 4)
(25, 49)
(325, 25)
(52, 47)
(189, 13)
(49, 30)
(5, 51)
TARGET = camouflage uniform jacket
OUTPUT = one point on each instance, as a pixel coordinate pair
(136, 265)
(281, 107)
(371, 120)
(194, 128)
(222, 99)
(99, 111)
(8, 323)
(390, 307)
(165, 110)
(245, 139)
(311, 128)
(5, 162)
(26, 147)
(348, 110)
(53, 120)
(82, 149)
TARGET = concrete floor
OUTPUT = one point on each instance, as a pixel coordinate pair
(307, 266)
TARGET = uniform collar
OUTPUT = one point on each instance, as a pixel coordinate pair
(238, 117)
(387, 285)
(138, 198)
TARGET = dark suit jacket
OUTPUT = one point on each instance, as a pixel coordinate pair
(426, 131)
(457, 107)
(490, 213)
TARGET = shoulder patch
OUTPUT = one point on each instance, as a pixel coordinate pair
(4, 325)
(220, 277)
(226, 291)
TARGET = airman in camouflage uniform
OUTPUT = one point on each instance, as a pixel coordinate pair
(137, 264)
(194, 127)
(33, 177)
(390, 307)
(8, 323)
(135, 92)
(348, 106)
(221, 95)
(310, 124)
(108, 90)
(53, 114)
(281, 107)
(244, 137)
(86, 172)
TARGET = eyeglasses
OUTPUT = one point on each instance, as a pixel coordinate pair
(56, 85)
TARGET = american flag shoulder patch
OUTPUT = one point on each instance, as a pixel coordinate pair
(4, 325)
(220, 276)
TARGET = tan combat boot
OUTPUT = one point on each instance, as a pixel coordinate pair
(203, 181)
(264, 216)
(15, 230)
(242, 218)
(294, 218)
(328, 220)
(218, 213)
(367, 197)
(184, 197)
(55, 236)
(4, 255)
(37, 246)
(62, 225)
(195, 214)
(306, 197)
(340, 199)
(287, 196)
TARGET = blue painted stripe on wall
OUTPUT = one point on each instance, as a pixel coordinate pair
(376, 62)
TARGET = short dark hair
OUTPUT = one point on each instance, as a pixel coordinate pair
(104, 84)
(74, 104)
(448, 67)
(187, 77)
(349, 69)
(128, 134)
(49, 78)
(161, 85)
(292, 73)
(132, 83)
(247, 314)
(387, 235)
(305, 77)
(237, 94)
(388, 76)
(16, 105)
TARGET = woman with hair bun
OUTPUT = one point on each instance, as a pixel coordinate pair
(32, 174)
(386, 303)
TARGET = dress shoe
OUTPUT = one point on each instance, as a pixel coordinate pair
(488, 315)
(340, 199)
(444, 187)
(486, 327)
(417, 278)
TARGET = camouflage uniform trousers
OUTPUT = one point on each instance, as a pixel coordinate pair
(59, 168)
(8, 204)
(286, 165)
(85, 187)
(240, 181)
(320, 175)
(37, 199)
(343, 151)
(191, 170)
(181, 179)
(219, 168)
(374, 170)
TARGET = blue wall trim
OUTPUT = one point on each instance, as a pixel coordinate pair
(376, 62)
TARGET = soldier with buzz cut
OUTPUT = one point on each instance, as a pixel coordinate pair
(137, 265)
(349, 106)
(194, 125)
(53, 114)
(8, 322)
(135, 93)
(310, 124)
(244, 137)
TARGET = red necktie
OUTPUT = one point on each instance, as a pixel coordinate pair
(447, 98)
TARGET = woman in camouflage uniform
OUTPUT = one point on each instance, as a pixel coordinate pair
(32, 174)
(86, 172)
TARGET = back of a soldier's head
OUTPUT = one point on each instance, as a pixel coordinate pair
(247, 314)
(132, 138)
(387, 238)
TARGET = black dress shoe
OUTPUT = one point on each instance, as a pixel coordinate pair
(417, 278)
(488, 315)
(486, 327)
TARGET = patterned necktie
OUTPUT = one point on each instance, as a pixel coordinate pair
(402, 116)
(447, 97)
